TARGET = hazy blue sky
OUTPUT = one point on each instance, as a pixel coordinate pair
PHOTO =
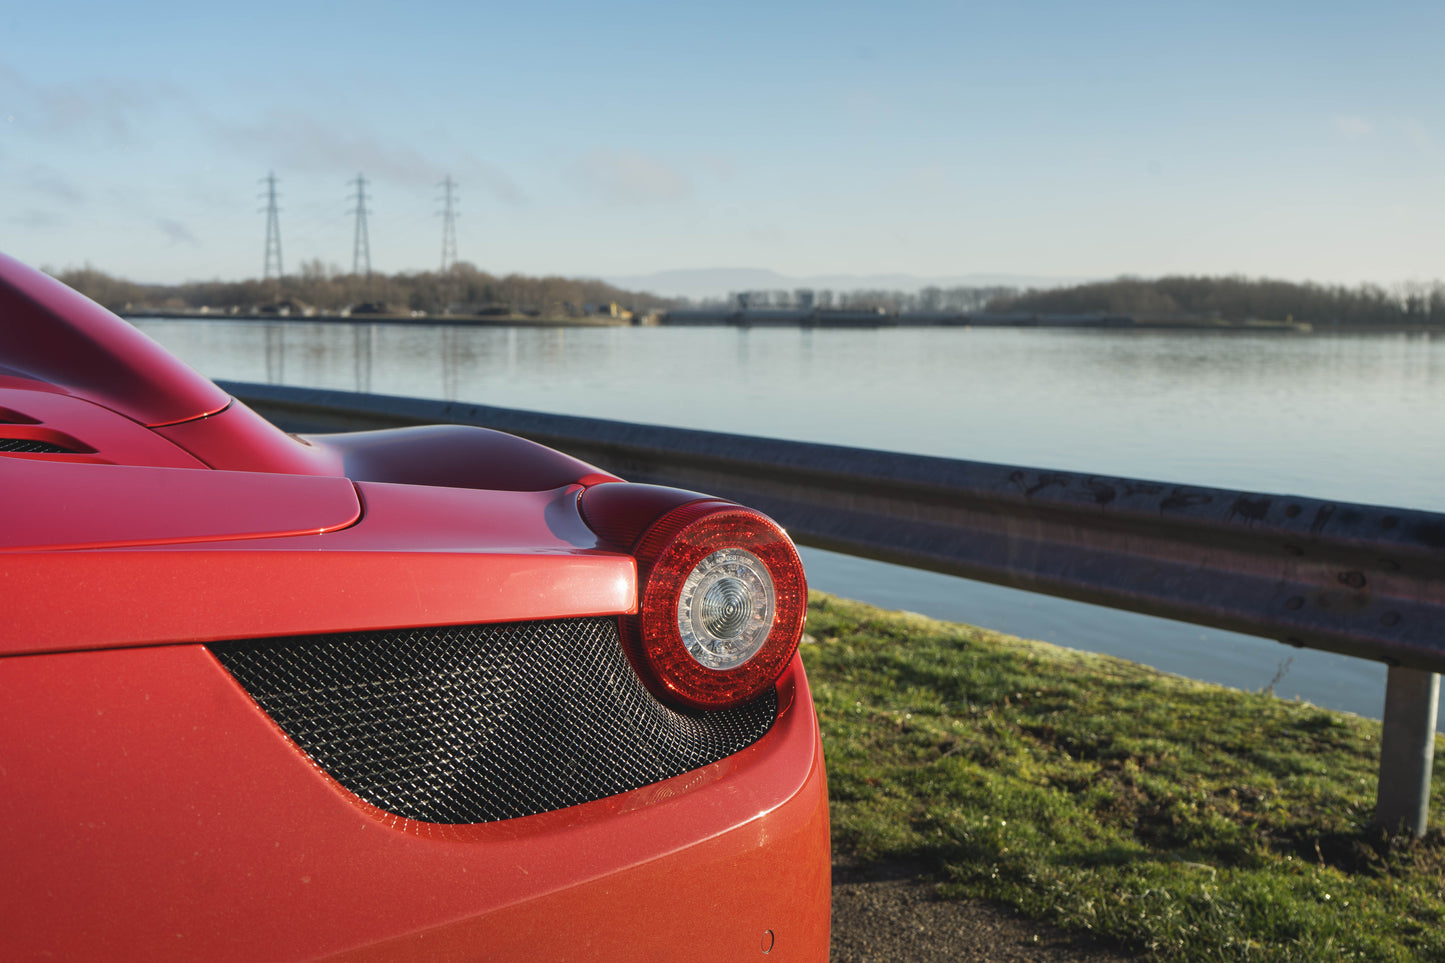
(1074, 139)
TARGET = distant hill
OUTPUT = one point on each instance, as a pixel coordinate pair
(708, 283)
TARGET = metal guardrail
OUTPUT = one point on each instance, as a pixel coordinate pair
(1360, 580)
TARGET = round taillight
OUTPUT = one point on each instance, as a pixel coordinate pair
(721, 603)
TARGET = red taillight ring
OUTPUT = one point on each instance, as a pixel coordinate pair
(743, 570)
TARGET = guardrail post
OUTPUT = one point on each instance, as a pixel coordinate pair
(1407, 749)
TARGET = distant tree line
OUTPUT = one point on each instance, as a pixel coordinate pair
(1237, 299)
(462, 289)
(1176, 298)
(466, 289)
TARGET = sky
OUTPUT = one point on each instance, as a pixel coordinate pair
(1294, 140)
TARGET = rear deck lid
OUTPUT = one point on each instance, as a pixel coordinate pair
(49, 506)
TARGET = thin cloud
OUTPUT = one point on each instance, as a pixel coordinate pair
(929, 180)
(34, 219)
(300, 142)
(719, 167)
(1352, 126)
(626, 178)
(51, 183)
(177, 232)
(102, 107)
(494, 179)
(865, 107)
(1417, 134)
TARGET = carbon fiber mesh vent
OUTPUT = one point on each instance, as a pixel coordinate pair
(30, 446)
(467, 724)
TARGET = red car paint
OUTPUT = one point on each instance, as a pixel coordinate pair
(150, 809)
(69, 344)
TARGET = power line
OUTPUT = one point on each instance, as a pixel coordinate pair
(361, 246)
(449, 223)
(273, 230)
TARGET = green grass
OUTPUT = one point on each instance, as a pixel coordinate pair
(1160, 814)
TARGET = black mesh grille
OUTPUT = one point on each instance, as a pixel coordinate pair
(30, 446)
(466, 724)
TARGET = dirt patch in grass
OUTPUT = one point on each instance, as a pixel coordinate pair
(891, 914)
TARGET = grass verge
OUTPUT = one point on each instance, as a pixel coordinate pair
(1160, 814)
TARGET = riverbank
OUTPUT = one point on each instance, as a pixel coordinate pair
(832, 318)
(1157, 814)
(424, 320)
(802, 320)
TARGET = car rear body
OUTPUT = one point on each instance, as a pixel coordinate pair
(358, 696)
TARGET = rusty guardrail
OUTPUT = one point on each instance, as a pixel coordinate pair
(1361, 580)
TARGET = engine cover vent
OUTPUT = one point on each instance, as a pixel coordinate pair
(468, 724)
(29, 446)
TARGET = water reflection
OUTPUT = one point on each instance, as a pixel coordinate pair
(1347, 417)
(363, 340)
(275, 354)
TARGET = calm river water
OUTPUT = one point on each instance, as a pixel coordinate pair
(1357, 418)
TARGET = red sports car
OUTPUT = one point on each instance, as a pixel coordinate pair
(430, 693)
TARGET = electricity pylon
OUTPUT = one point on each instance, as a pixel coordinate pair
(273, 231)
(449, 223)
(361, 247)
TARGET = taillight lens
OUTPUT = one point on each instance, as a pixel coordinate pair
(721, 605)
